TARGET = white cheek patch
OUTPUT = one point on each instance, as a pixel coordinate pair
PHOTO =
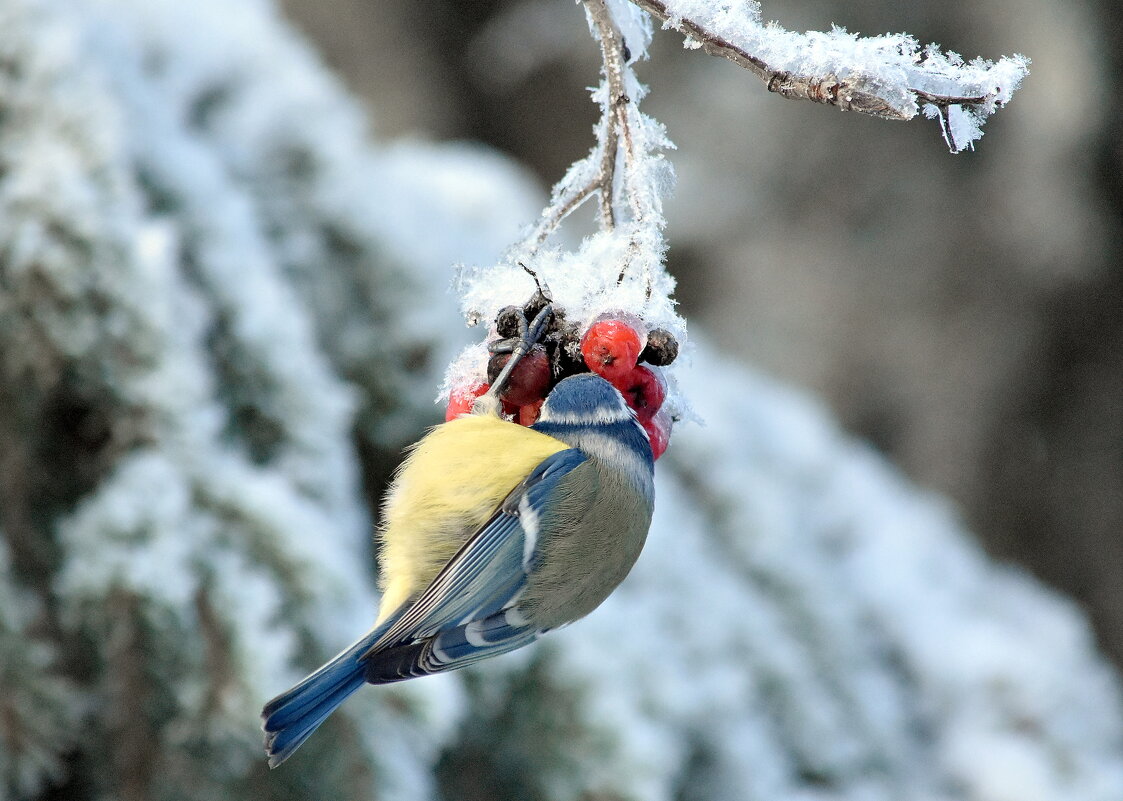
(609, 450)
(600, 416)
(528, 518)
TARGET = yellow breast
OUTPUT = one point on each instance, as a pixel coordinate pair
(448, 486)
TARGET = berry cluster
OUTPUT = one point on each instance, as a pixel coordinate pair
(612, 348)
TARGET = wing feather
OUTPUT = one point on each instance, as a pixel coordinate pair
(465, 613)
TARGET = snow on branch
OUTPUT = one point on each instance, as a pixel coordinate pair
(634, 196)
(890, 76)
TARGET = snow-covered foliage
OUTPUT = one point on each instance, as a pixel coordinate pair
(222, 312)
(199, 252)
(40, 709)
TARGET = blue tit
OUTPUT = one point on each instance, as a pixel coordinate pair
(492, 535)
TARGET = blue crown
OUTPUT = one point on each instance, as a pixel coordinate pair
(585, 399)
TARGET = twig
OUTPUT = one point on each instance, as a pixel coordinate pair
(944, 101)
(618, 138)
(558, 210)
(614, 116)
(607, 177)
(614, 141)
(618, 168)
(848, 94)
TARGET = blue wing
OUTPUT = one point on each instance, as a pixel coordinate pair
(467, 612)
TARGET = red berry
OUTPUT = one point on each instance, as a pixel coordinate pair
(530, 379)
(611, 349)
(658, 430)
(461, 399)
(528, 414)
(643, 389)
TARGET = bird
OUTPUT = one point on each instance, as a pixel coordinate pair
(492, 535)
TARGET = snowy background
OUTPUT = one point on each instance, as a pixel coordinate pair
(224, 311)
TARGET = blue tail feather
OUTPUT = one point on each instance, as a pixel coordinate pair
(291, 717)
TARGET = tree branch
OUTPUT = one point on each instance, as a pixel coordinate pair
(614, 117)
(561, 206)
(863, 75)
(827, 89)
(615, 142)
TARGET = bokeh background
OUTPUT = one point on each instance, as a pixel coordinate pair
(963, 313)
(223, 315)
